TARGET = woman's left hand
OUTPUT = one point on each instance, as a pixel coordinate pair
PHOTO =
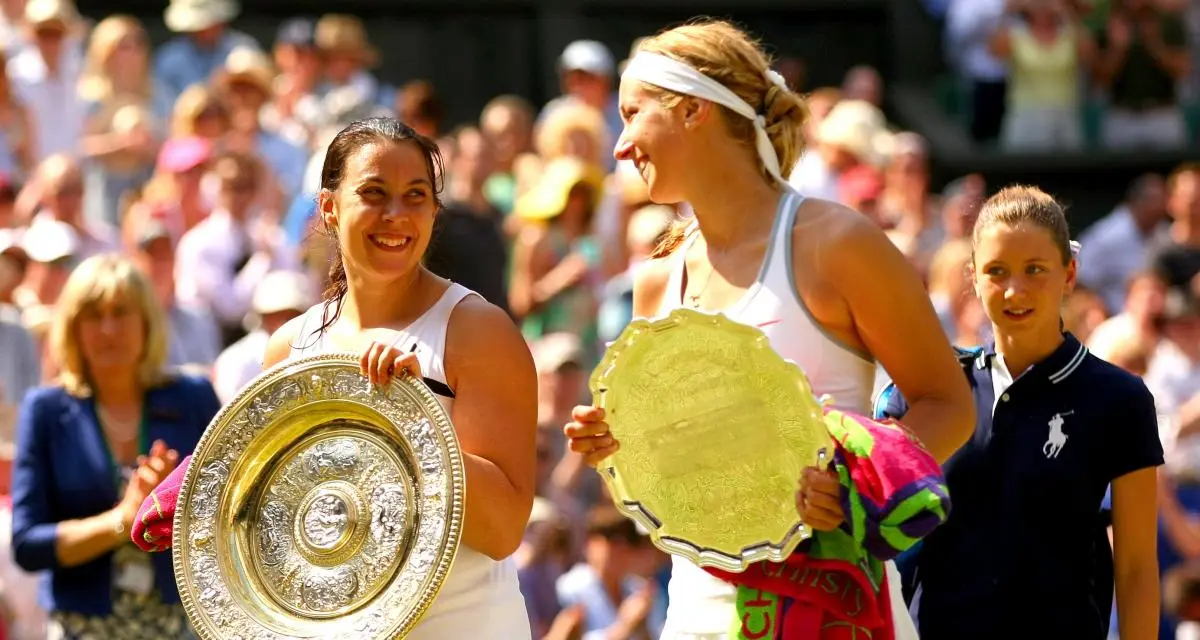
(819, 499)
(381, 362)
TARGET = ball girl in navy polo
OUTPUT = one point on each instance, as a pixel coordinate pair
(1024, 553)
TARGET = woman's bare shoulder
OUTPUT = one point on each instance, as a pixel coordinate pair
(650, 285)
(825, 220)
(481, 336)
(279, 346)
(825, 230)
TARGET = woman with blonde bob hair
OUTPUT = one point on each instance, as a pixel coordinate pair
(91, 447)
(709, 123)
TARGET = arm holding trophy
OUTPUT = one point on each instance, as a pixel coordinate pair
(499, 462)
(498, 455)
(378, 474)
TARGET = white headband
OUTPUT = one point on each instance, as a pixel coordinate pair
(670, 74)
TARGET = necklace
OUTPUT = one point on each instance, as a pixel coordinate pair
(694, 298)
(119, 431)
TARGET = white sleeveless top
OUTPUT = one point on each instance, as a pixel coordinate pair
(480, 599)
(702, 607)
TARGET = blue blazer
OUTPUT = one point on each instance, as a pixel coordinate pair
(62, 471)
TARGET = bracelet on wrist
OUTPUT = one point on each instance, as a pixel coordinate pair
(119, 528)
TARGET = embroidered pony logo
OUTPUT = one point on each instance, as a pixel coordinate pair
(1058, 439)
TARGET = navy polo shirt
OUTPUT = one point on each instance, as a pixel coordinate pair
(1024, 553)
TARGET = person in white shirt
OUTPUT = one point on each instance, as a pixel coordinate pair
(46, 75)
(1117, 246)
(279, 297)
(221, 260)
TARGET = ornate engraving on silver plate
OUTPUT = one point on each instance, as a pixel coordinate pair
(318, 506)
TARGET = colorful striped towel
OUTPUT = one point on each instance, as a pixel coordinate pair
(156, 517)
(834, 587)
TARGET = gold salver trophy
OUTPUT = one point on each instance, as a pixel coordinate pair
(715, 430)
(318, 505)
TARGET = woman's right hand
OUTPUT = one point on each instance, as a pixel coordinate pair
(151, 470)
(381, 362)
(589, 435)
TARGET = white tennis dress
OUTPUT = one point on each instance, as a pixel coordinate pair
(703, 607)
(480, 599)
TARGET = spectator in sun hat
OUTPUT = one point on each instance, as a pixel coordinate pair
(279, 297)
(587, 73)
(853, 133)
(53, 248)
(348, 54)
(45, 77)
(557, 215)
(247, 83)
(203, 43)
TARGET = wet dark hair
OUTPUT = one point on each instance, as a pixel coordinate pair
(1019, 204)
(345, 144)
(604, 521)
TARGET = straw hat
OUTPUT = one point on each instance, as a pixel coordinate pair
(249, 65)
(190, 16)
(39, 12)
(860, 128)
(345, 34)
(548, 197)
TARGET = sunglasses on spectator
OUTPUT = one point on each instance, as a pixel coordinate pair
(68, 191)
(241, 186)
(50, 33)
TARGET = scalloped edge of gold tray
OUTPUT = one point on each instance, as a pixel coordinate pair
(403, 384)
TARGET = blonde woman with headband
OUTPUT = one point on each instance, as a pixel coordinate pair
(708, 123)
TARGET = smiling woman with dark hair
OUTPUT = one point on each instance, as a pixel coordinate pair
(379, 197)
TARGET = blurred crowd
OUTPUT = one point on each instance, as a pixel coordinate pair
(199, 162)
(1046, 75)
